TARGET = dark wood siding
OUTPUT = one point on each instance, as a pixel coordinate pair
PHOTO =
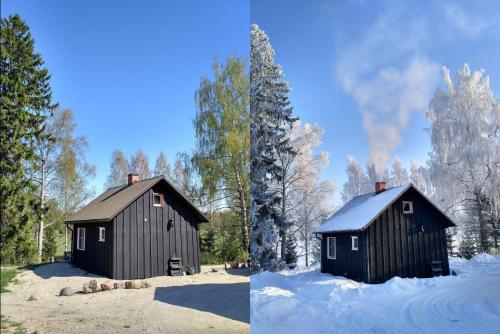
(405, 244)
(97, 256)
(394, 244)
(349, 263)
(145, 242)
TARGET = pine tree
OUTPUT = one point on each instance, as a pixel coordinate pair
(291, 251)
(49, 244)
(25, 101)
(467, 248)
(270, 115)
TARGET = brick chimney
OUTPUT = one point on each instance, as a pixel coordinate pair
(132, 178)
(379, 186)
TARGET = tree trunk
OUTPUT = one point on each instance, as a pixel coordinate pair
(244, 228)
(244, 214)
(42, 205)
(307, 245)
(65, 238)
(282, 228)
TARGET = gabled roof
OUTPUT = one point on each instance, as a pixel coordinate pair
(362, 210)
(114, 200)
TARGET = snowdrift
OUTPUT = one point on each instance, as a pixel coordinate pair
(306, 301)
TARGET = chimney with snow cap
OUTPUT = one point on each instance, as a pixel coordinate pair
(132, 178)
(380, 186)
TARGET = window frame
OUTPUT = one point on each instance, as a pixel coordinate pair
(354, 237)
(161, 204)
(78, 234)
(102, 234)
(409, 212)
(328, 255)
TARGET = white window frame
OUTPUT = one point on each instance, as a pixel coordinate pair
(161, 200)
(410, 203)
(102, 234)
(79, 231)
(334, 257)
(354, 247)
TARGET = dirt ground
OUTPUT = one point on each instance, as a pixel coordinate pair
(209, 302)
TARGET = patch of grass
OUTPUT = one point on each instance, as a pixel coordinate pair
(9, 326)
(6, 276)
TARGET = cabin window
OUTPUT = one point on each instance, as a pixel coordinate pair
(102, 234)
(407, 207)
(332, 247)
(157, 199)
(80, 238)
(354, 243)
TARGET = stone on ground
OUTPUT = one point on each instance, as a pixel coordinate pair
(67, 291)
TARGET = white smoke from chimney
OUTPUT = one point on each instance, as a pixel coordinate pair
(387, 102)
(389, 80)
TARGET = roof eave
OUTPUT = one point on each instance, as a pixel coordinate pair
(87, 221)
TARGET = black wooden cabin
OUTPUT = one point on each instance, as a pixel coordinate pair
(390, 232)
(132, 231)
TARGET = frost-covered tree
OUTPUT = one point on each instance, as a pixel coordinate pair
(270, 114)
(291, 251)
(358, 183)
(118, 170)
(139, 164)
(398, 174)
(465, 158)
(162, 167)
(419, 176)
(309, 195)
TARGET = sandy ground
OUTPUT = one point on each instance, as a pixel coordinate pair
(204, 303)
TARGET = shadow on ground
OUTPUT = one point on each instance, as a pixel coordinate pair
(226, 300)
(238, 271)
(62, 269)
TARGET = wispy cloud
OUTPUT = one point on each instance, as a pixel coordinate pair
(389, 73)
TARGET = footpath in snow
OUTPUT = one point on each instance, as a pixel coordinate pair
(307, 301)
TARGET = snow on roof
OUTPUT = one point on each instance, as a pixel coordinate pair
(361, 210)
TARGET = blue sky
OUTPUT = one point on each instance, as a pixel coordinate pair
(129, 69)
(365, 70)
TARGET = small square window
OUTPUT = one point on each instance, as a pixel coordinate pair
(332, 248)
(407, 207)
(354, 243)
(157, 199)
(102, 234)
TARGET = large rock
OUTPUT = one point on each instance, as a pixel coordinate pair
(135, 284)
(106, 286)
(33, 298)
(119, 285)
(93, 286)
(67, 291)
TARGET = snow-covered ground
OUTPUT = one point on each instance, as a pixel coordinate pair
(306, 301)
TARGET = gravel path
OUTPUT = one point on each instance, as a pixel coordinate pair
(207, 302)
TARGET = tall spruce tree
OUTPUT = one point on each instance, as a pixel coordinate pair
(25, 101)
(270, 114)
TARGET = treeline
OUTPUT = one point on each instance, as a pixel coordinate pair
(288, 196)
(462, 173)
(43, 172)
